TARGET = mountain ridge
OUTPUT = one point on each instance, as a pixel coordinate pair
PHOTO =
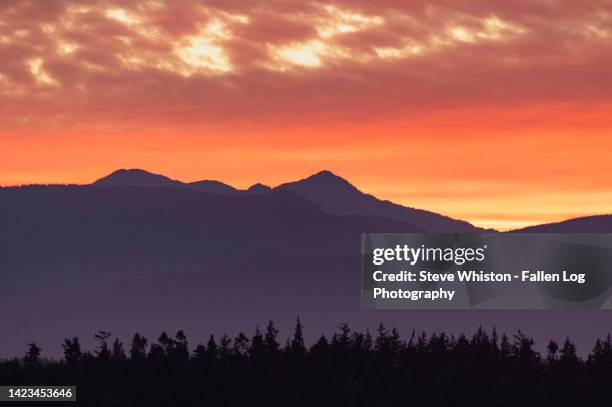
(583, 224)
(332, 193)
(135, 177)
(322, 188)
(336, 195)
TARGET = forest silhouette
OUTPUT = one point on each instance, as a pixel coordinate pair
(349, 368)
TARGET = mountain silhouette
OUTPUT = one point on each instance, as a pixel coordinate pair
(587, 224)
(328, 191)
(136, 177)
(336, 195)
(142, 178)
(259, 188)
(215, 187)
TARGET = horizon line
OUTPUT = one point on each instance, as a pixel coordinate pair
(495, 224)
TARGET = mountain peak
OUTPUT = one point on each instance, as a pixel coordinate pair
(259, 188)
(324, 173)
(135, 177)
(336, 195)
(130, 172)
(325, 179)
(324, 184)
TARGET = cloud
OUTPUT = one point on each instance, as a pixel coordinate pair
(281, 60)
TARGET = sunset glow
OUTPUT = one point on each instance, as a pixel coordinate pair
(499, 113)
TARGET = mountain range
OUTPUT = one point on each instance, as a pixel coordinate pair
(140, 251)
(335, 195)
(331, 193)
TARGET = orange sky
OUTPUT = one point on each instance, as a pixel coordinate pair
(496, 112)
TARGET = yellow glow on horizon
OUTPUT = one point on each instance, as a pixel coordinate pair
(504, 225)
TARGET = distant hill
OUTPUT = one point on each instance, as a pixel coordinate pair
(259, 188)
(136, 177)
(214, 187)
(336, 195)
(142, 178)
(588, 224)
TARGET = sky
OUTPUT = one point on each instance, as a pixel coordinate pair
(496, 112)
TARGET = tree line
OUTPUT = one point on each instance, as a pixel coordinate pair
(348, 368)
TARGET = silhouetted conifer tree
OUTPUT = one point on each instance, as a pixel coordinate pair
(568, 359)
(180, 348)
(505, 349)
(320, 349)
(297, 348)
(257, 349)
(212, 350)
(167, 344)
(552, 352)
(138, 350)
(32, 356)
(241, 345)
(72, 351)
(156, 354)
(380, 344)
(225, 347)
(118, 352)
(270, 342)
(199, 355)
(103, 353)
